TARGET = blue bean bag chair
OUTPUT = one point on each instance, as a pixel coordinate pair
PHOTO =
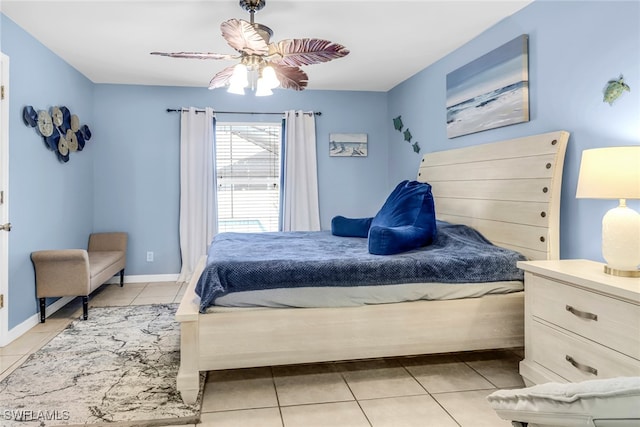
(350, 227)
(406, 221)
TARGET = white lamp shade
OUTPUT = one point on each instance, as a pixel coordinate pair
(610, 173)
(270, 78)
(236, 89)
(262, 89)
(239, 78)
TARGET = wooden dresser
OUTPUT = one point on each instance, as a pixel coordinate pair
(580, 323)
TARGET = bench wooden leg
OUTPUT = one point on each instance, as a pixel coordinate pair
(85, 307)
(42, 310)
(122, 277)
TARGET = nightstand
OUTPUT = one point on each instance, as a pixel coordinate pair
(580, 323)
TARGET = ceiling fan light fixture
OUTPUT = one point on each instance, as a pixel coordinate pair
(239, 80)
(236, 89)
(262, 88)
(240, 76)
(269, 77)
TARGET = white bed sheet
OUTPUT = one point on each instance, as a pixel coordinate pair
(359, 295)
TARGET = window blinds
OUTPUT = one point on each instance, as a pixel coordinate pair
(248, 174)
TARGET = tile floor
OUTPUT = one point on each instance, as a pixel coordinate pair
(437, 390)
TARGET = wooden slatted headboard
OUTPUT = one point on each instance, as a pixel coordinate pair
(508, 190)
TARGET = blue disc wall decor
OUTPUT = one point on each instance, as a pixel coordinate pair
(60, 130)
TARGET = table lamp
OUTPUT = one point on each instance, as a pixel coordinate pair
(614, 173)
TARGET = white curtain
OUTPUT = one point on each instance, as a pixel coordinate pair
(198, 205)
(300, 198)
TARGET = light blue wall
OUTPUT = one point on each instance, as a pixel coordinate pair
(50, 203)
(137, 169)
(574, 49)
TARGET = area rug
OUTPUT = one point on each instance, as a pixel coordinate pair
(117, 368)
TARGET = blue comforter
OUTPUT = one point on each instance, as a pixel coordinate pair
(256, 261)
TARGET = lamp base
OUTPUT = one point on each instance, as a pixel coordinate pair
(621, 240)
(621, 273)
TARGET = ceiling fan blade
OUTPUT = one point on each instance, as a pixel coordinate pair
(298, 52)
(222, 78)
(290, 77)
(241, 36)
(196, 55)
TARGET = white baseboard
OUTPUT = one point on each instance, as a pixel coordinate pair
(32, 321)
(143, 278)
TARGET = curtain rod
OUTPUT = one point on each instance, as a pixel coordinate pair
(179, 110)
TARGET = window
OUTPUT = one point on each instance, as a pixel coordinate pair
(248, 172)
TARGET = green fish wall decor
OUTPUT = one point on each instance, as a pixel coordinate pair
(398, 125)
(614, 89)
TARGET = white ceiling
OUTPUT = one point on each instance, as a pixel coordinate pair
(109, 40)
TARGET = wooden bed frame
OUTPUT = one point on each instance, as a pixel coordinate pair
(509, 191)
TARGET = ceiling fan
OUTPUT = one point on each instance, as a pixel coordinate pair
(274, 64)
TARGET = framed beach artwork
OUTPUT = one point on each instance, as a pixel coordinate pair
(490, 92)
(348, 144)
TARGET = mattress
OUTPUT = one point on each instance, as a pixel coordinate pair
(328, 296)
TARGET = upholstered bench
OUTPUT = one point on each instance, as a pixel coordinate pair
(78, 272)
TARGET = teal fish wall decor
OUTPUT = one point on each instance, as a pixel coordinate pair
(614, 89)
(398, 125)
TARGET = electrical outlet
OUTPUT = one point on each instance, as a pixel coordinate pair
(149, 256)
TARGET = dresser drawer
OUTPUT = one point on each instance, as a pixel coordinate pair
(575, 358)
(609, 321)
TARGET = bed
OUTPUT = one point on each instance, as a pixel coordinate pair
(509, 191)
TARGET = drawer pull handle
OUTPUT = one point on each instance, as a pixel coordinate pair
(579, 366)
(581, 314)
